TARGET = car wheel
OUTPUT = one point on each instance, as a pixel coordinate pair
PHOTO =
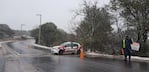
(72, 53)
(78, 52)
(55, 53)
(60, 52)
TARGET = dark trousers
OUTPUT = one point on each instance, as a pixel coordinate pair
(127, 52)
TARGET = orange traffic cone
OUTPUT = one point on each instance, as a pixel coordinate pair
(81, 54)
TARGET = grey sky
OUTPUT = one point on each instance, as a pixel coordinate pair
(17, 12)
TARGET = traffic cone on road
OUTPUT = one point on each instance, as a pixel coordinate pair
(81, 53)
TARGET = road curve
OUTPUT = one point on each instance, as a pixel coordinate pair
(22, 57)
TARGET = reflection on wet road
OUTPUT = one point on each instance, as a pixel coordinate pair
(38, 60)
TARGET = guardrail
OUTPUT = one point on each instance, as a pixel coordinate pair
(41, 46)
(4, 42)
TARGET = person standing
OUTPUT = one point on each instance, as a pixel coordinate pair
(127, 48)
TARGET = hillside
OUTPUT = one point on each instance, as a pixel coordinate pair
(5, 31)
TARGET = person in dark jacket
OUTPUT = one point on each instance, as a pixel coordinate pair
(127, 49)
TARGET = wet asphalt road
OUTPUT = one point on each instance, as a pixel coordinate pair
(2, 61)
(22, 57)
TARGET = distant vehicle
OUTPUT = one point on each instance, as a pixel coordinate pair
(23, 37)
(67, 48)
(26, 37)
(16, 37)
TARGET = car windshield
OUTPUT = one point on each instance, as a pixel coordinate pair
(65, 43)
(69, 44)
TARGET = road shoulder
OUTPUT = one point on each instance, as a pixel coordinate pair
(119, 57)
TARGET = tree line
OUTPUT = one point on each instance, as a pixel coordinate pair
(51, 35)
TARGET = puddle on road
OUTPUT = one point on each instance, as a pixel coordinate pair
(11, 45)
(44, 64)
(54, 63)
(144, 66)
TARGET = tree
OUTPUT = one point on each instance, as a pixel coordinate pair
(50, 34)
(95, 28)
(135, 14)
(5, 31)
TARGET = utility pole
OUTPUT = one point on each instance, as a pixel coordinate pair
(22, 28)
(39, 34)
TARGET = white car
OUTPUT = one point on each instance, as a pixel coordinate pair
(67, 47)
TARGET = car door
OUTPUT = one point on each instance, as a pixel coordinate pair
(68, 47)
(75, 46)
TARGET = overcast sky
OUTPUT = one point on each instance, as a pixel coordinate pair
(17, 12)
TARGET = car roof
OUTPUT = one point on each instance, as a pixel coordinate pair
(69, 43)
